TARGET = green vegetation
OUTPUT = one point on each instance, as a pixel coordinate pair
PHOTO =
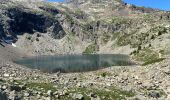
(160, 29)
(90, 49)
(152, 61)
(118, 20)
(47, 5)
(162, 52)
(2, 81)
(147, 90)
(44, 86)
(123, 40)
(69, 18)
(79, 13)
(136, 39)
(147, 56)
(112, 94)
(106, 37)
(42, 12)
(115, 35)
(71, 37)
(104, 74)
(28, 37)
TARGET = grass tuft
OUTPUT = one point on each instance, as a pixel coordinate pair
(153, 61)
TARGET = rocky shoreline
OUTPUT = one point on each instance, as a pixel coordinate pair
(149, 82)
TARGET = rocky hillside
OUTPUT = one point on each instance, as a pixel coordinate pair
(85, 26)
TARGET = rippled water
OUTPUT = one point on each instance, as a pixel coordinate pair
(3, 96)
(75, 63)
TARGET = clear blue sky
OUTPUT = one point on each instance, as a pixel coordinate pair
(161, 4)
(56, 0)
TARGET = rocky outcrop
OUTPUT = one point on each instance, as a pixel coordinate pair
(22, 20)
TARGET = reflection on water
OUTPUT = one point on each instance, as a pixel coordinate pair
(75, 63)
(3, 96)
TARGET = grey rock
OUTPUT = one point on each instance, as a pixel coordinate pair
(78, 84)
(154, 94)
(6, 75)
(12, 95)
(26, 94)
(17, 97)
(139, 97)
(15, 87)
(93, 95)
(78, 96)
(49, 93)
(4, 87)
(62, 92)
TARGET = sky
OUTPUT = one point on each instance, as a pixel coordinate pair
(160, 4)
(56, 0)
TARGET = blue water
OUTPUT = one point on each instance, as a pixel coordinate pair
(3, 96)
(75, 63)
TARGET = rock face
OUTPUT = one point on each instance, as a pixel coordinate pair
(83, 26)
(21, 22)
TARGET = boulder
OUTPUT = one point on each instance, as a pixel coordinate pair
(154, 94)
(78, 96)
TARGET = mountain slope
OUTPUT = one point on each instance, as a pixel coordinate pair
(30, 28)
(107, 26)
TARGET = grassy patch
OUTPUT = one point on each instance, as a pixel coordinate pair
(146, 55)
(44, 86)
(112, 94)
(90, 49)
(104, 74)
(160, 29)
(153, 61)
(2, 81)
(71, 37)
(123, 40)
(117, 20)
(29, 37)
(106, 37)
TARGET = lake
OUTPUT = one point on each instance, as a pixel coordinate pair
(75, 63)
(3, 96)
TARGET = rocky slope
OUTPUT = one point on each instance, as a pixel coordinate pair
(104, 27)
(85, 26)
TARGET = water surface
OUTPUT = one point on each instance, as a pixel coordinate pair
(3, 96)
(75, 63)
